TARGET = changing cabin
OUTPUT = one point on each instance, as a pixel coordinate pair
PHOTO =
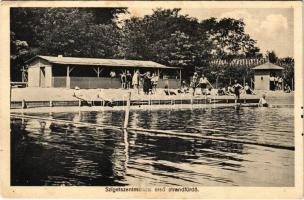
(268, 76)
(69, 72)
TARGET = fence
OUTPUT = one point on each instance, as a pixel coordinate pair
(105, 82)
(59, 82)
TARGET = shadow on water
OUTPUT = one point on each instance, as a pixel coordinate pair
(45, 153)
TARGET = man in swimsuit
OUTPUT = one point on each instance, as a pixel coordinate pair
(203, 84)
(194, 82)
(237, 90)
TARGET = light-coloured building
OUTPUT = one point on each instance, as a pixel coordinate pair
(69, 72)
(268, 76)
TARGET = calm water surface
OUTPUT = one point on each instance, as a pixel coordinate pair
(73, 155)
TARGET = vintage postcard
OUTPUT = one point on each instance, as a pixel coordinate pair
(151, 99)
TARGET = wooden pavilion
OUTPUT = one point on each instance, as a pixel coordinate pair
(69, 72)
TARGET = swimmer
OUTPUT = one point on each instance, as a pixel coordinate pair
(263, 102)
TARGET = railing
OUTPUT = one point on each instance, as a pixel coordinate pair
(19, 84)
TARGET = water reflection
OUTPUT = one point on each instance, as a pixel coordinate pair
(57, 154)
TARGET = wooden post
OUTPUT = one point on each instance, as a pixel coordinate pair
(127, 113)
(23, 104)
(180, 76)
(68, 77)
(126, 149)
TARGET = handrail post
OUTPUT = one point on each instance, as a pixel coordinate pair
(127, 113)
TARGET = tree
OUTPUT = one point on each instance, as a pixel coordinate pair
(271, 56)
(229, 39)
(67, 31)
(80, 37)
(106, 15)
(288, 73)
(166, 37)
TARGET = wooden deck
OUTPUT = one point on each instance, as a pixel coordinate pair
(137, 102)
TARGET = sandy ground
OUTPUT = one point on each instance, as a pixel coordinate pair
(62, 94)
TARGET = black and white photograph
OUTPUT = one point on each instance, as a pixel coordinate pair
(142, 97)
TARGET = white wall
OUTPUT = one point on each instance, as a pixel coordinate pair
(34, 73)
(33, 76)
(48, 76)
(261, 80)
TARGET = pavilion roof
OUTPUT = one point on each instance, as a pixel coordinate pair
(101, 62)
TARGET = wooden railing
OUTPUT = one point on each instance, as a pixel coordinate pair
(19, 84)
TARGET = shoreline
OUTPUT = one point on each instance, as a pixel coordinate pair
(122, 108)
(59, 99)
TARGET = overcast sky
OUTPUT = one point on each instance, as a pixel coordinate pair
(271, 27)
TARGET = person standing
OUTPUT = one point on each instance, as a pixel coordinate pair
(147, 83)
(135, 80)
(237, 90)
(194, 82)
(129, 79)
(154, 81)
(203, 84)
(123, 78)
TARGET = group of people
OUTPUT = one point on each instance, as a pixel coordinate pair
(200, 82)
(233, 89)
(276, 82)
(149, 82)
(126, 79)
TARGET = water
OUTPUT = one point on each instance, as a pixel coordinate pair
(73, 155)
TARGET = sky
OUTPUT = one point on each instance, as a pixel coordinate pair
(272, 28)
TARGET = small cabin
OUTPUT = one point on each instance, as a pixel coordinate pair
(268, 76)
(89, 73)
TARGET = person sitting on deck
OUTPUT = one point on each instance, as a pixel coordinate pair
(106, 102)
(287, 89)
(247, 89)
(230, 90)
(263, 102)
(184, 87)
(168, 92)
(77, 94)
(222, 91)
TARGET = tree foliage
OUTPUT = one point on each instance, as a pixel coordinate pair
(166, 36)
